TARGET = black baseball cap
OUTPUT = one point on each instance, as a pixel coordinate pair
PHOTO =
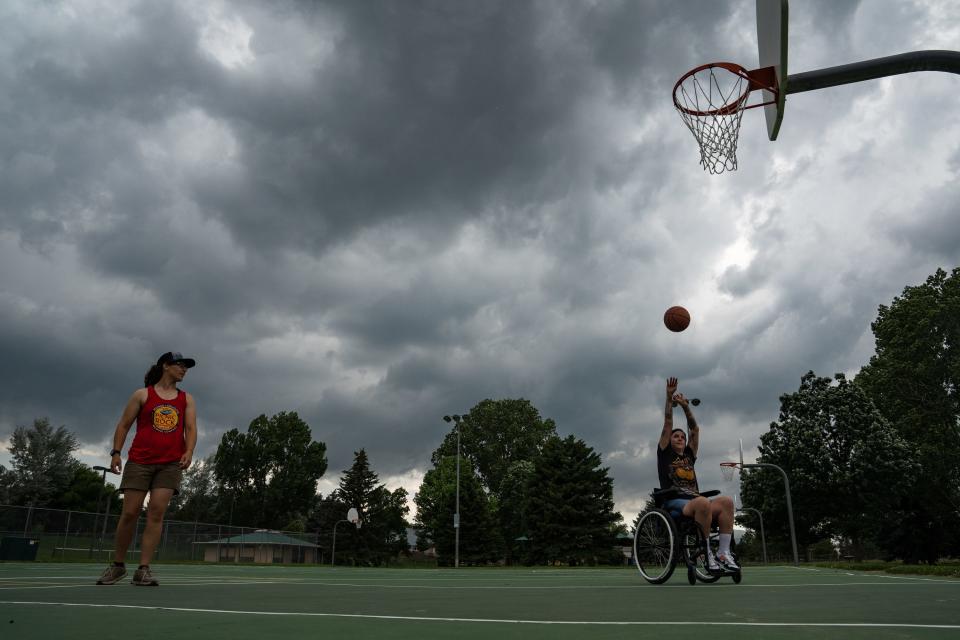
(176, 356)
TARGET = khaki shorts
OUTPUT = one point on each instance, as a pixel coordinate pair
(144, 477)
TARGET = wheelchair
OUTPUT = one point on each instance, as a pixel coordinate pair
(661, 541)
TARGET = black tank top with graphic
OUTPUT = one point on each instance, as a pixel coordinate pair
(676, 470)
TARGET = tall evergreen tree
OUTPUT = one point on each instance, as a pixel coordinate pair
(383, 531)
(480, 538)
(571, 510)
(513, 504)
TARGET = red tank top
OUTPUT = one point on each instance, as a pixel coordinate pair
(159, 438)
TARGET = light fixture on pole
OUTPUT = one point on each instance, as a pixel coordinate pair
(456, 515)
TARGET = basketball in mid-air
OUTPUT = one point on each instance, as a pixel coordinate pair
(677, 319)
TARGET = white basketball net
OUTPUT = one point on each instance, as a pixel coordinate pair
(728, 472)
(711, 102)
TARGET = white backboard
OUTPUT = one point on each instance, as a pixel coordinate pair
(772, 21)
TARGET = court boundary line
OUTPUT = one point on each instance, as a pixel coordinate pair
(623, 623)
(174, 583)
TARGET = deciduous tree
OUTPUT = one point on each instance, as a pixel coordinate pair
(270, 472)
(42, 462)
(495, 434)
(843, 460)
(914, 378)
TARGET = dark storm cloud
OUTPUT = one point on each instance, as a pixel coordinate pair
(378, 213)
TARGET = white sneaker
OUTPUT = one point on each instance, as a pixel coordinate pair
(727, 562)
(712, 564)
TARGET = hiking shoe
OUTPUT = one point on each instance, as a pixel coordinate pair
(142, 577)
(728, 562)
(112, 574)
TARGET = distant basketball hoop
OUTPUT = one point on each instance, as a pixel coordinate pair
(353, 516)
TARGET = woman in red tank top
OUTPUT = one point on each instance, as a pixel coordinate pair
(162, 448)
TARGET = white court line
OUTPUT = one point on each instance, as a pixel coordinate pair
(903, 577)
(625, 623)
(103, 586)
(638, 585)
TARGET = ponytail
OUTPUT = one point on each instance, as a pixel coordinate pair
(153, 375)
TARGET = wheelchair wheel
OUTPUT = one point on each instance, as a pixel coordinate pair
(737, 577)
(695, 556)
(691, 576)
(655, 546)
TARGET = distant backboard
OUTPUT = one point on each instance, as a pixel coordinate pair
(772, 20)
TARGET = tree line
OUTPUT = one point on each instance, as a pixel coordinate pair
(873, 462)
(526, 495)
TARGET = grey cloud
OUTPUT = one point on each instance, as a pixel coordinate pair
(387, 212)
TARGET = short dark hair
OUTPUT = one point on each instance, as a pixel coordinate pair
(680, 430)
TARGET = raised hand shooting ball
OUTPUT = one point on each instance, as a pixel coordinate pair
(676, 319)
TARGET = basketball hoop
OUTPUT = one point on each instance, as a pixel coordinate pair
(728, 469)
(353, 516)
(711, 100)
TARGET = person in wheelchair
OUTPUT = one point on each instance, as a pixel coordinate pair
(676, 457)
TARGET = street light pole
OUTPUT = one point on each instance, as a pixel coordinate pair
(456, 516)
(763, 537)
(786, 484)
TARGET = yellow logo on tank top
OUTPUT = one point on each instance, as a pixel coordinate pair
(165, 418)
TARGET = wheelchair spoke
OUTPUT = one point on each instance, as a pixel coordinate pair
(655, 546)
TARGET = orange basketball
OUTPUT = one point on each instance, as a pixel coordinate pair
(676, 318)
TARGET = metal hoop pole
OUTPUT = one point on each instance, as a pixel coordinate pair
(333, 551)
(763, 537)
(929, 60)
(786, 484)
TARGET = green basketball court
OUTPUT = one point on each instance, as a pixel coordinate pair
(220, 601)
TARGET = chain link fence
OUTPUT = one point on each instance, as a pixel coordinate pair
(83, 536)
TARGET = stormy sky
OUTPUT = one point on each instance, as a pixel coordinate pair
(377, 213)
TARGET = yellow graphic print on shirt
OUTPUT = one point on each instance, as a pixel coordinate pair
(683, 474)
(165, 418)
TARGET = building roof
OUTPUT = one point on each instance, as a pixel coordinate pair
(263, 537)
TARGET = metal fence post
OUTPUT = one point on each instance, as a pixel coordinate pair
(66, 535)
(106, 517)
(26, 524)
